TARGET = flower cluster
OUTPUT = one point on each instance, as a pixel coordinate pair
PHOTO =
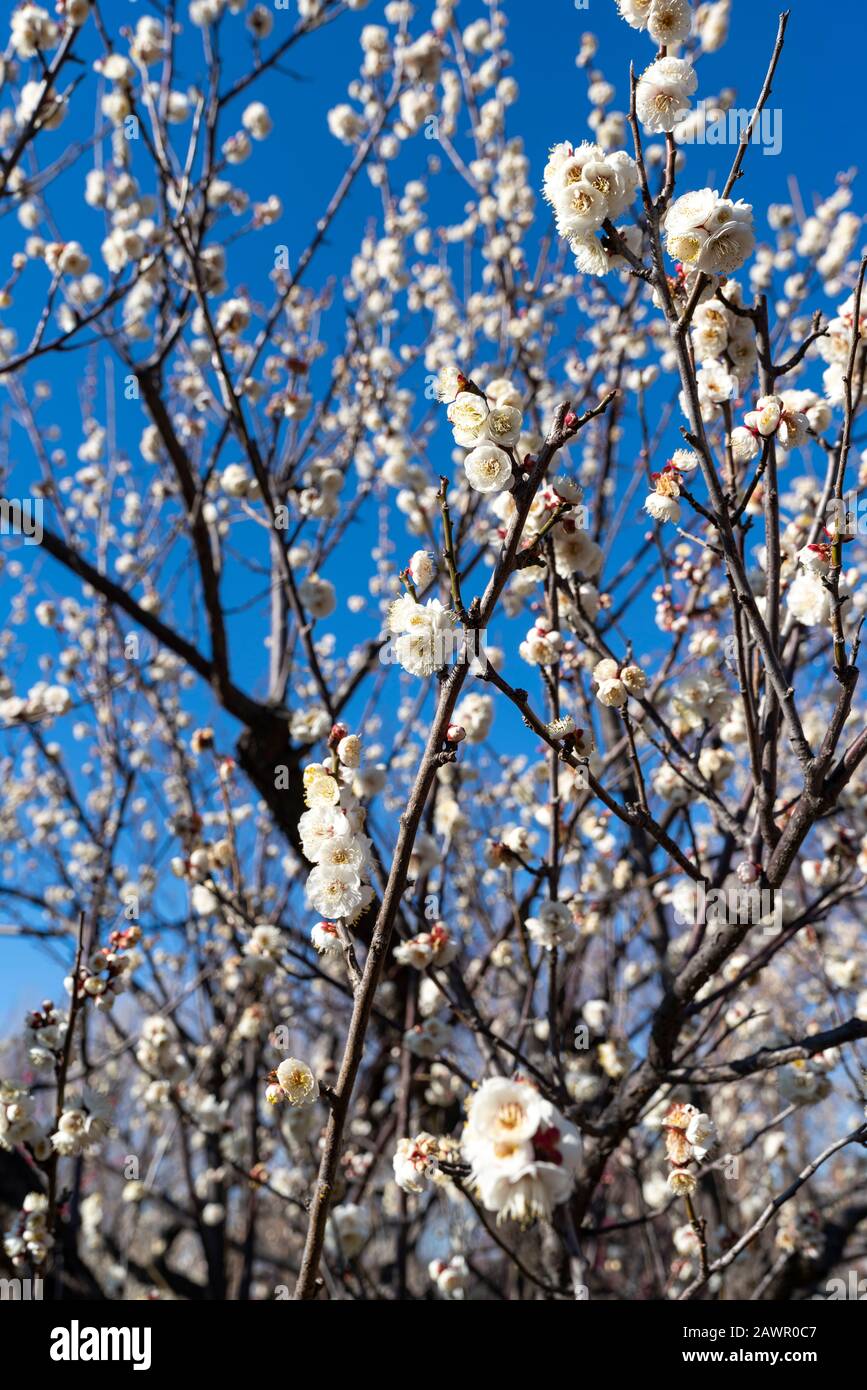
(42, 702)
(774, 416)
(663, 91)
(708, 233)
(805, 1082)
(542, 645)
(523, 1153)
(18, 1123)
(29, 1240)
(82, 1126)
(587, 187)
(332, 834)
(106, 973)
(159, 1053)
(552, 926)
(417, 1160)
(808, 597)
(423, 632)
(489, 424)
(662, 503)
(666, 21)
(452, 1277)
(615, 683)
(689, 1134)
(436, 947)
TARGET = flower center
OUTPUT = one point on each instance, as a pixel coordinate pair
(510, 1115)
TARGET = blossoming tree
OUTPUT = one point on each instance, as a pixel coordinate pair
(434, 753)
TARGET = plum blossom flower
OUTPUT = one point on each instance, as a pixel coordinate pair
(523, 1152)
(424, 634)
(489, 469)
(296, 1082)
(708, 233)
(808, 600)
(552, 926)
(773, 416)
(437, 947)
(662, 503)
(663, 92)
(468, 415)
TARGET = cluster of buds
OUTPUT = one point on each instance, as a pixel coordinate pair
(669, 615)
(436, 947)
(542, 645)
(106, 974)
(772, 416)
(45, 1032)
(29, 1240)
(17, 1122)
(689, 1134)
(200, 858)
(450, 1278)
(81, 1127)
(418, 1160)
(615, 683)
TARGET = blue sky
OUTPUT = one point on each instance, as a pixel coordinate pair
(816, 91)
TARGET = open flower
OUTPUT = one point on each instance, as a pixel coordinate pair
(489, 468)
(663, 92)
(468, 414)
(662, 503)
(424, 634)
(773, 416)
(708, 233)
(297, 1082)
(522, 1151)
(552, 926)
